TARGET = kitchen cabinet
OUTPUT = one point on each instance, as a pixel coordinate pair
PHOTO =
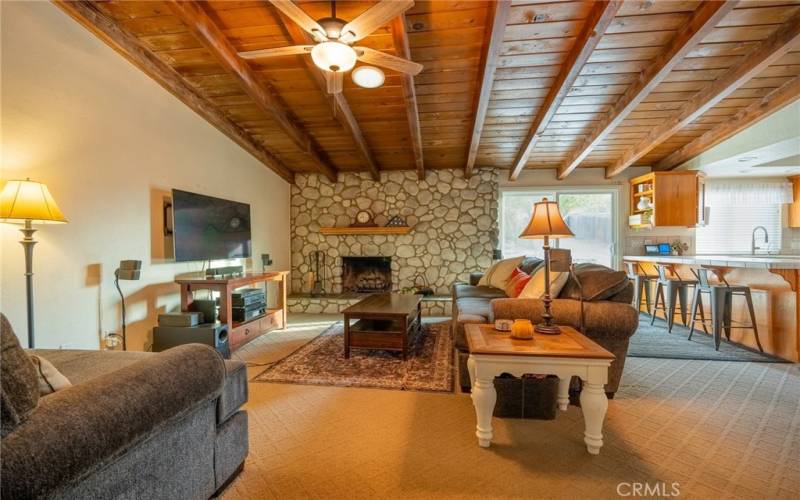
(794, 207)
(661, 199)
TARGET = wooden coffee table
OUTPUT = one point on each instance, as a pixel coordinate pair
(383, 321)
(566, 355)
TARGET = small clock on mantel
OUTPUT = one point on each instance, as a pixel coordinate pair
(363, 219)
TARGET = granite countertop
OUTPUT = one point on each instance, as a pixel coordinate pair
(759, 261)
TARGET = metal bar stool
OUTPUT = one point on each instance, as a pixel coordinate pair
(721, 297)
(641, 282)
(671, 290)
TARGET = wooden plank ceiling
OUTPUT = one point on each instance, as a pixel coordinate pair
(525, 84)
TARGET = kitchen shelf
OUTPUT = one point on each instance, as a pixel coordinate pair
(365, 230)
(649, 192)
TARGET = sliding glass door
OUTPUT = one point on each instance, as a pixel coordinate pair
(590, 213)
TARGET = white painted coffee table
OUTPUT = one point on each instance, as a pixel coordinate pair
(569, 354)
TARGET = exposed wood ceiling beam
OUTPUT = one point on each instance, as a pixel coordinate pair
(770, 103)
(767, 52)
(599, 18)
(262, 93)
(702, 22)
(495, 28)
(401, 49)
(127, 45)
(338, 102)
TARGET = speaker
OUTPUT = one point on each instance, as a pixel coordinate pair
(129, 269)
(210, 334)
(208, 307)
(190, 318)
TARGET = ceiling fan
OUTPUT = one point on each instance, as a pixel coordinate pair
(334, 52)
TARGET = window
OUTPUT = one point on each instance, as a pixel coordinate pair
(590, 214)
(736, 207)
(730, 229)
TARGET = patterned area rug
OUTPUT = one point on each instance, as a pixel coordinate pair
(655, 342)
(321, 362)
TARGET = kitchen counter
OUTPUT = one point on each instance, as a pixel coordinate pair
(733, 260)
(774, 281)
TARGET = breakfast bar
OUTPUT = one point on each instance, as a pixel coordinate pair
(773, 281)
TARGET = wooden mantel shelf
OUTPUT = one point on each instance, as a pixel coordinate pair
(365, 230)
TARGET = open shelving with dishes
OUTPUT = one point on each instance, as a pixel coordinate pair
(662, 199)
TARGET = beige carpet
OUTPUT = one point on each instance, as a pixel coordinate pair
(718, 429)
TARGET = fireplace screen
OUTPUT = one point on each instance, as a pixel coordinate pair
(366, 274)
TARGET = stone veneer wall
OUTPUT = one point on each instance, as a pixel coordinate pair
(453, 220)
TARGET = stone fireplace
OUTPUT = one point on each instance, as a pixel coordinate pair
(366, 274)
(452, 224)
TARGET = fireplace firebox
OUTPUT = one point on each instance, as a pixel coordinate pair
(366, 274)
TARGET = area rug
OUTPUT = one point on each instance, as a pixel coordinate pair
(321, 362)
(655, 342)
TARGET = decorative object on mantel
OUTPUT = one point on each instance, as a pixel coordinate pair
(546, 222)
(522, 329)
(28, 202)
(364, 219)
(396, 221)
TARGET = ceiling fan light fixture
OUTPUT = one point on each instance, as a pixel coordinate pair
(333, 56)
(368, 77)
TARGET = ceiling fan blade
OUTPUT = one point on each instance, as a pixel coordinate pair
(335, 81)
(299, 16)
(378, 58)
(279, 51)
(374, 18)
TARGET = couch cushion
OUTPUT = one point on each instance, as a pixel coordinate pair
(81, 366)
(597, 283)
(462, 290)
(50, 379)
(19, 385)
(530, 264)
(499, 272)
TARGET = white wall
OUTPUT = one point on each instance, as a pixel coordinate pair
(102, 136)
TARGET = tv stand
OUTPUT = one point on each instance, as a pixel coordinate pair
(240, 332)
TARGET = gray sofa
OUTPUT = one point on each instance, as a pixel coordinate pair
(610, 322)
(132, 426)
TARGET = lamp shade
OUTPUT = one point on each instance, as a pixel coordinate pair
(546, 221)
(21, 201)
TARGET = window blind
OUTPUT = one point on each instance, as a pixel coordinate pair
(730, 228)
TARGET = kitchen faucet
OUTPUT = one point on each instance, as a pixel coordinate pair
(753, 246)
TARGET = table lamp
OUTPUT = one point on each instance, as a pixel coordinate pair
(546, 222)
(28, 202)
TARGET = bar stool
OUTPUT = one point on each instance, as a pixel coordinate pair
(670, 290)
(641, 282)
(721, 297)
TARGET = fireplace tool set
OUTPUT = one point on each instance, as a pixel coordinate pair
(318, 271)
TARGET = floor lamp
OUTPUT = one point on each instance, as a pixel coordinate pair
(28, 202)
(546, 222)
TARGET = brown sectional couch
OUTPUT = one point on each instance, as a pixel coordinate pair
(609, 322)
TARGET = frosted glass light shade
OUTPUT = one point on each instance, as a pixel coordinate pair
(333, 56)
(28, 200)
(546, 221)
(368, 77)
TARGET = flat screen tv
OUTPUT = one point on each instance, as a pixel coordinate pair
(208, 228)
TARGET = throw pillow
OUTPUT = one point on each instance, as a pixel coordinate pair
(50, 379)
(18, 384)
(498, 274)
(535, 287)
(516, 283)
(597, 282)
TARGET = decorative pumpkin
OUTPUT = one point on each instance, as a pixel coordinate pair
(522, 329)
